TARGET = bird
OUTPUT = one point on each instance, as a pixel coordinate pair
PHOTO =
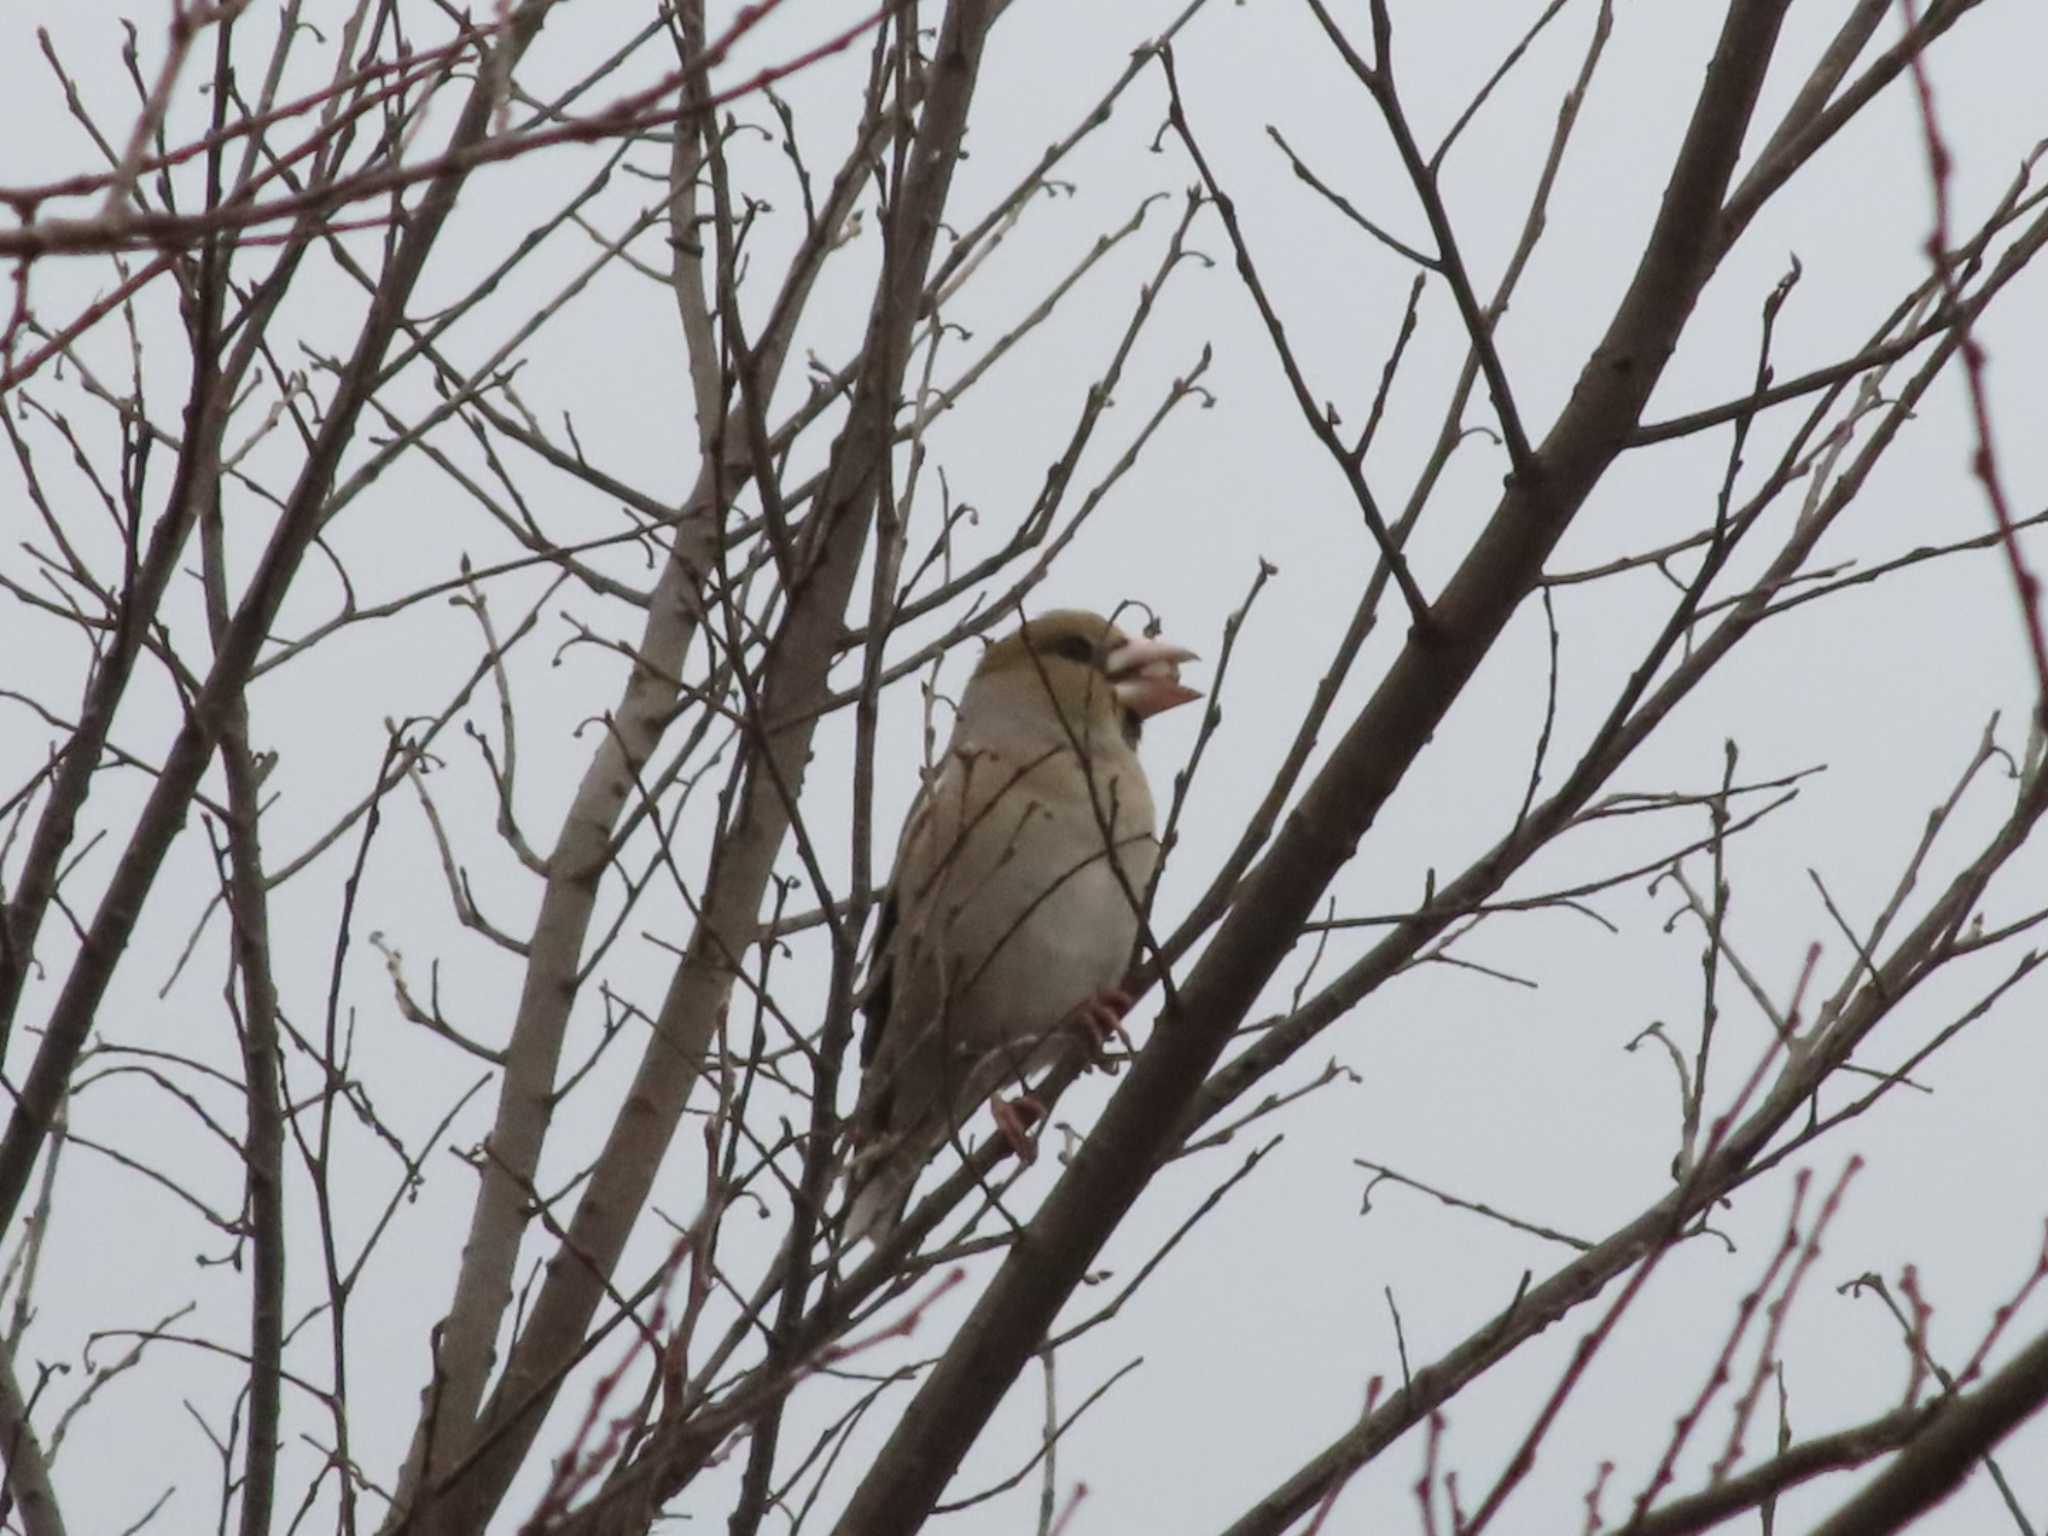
(1013, 909)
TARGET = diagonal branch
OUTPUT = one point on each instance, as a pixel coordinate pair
(1378, 79)
(1932, 1467)
(28, 1468)
(1137, 1129)
(792, 688)
(1319, 421)
(1730, 1163)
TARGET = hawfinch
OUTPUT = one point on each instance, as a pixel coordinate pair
(1013, 910)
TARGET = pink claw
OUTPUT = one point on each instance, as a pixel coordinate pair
(1101, 1018)
(1015, 1118)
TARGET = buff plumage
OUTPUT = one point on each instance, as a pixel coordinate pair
(1013, 909)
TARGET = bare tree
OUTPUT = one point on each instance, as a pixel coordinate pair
(428, 1037)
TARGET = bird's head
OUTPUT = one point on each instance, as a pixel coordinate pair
(1101, 682)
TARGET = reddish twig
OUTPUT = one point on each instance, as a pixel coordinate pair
(1589, 1345)
(1984, 459)
(575, 1468)
(1746, 1404)
(1600, 1475)
(1425, 1485)
(902, 1328)
(186, 25)
(1916, 1334)
(1329, 1500)
(1074, 1499)
(1718, 1377)
(95, 312)
(631, 114)
(2003, 1316)
(408, 71)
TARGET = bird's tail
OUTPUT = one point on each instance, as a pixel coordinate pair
(877, 1190)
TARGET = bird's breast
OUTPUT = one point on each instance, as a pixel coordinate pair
(1033, 911)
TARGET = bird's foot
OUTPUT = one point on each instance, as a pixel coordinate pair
(1100, 1019)
(1015, 1118)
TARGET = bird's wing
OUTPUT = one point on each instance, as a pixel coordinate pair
(881, 981)
(950, 810)
(913, 866)
(883, 1173)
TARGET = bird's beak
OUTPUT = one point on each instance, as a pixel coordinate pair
(1146, 676)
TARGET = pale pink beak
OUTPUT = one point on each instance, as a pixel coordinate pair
(1146, 676)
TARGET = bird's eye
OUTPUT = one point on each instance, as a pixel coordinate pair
(1073, 648)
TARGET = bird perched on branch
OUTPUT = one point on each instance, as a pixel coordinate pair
(1014, 907)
